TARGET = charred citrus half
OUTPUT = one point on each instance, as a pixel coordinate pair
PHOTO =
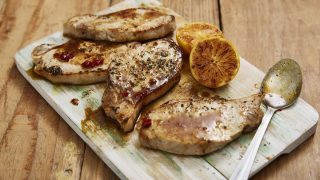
(214, 62)
(188, 35)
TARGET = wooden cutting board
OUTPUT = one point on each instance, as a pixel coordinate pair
(123, 154)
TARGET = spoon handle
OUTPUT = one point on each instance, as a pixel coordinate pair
(243, 169)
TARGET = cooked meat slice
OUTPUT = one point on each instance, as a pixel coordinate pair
(198, 126)
(76, 61)
(127, 25)
(139, 76)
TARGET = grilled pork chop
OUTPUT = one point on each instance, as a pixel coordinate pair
(134, 24)
(139, 76)
(76, 61)
(198, 126)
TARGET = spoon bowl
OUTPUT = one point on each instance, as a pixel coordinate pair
(280, 87)
(282, 84)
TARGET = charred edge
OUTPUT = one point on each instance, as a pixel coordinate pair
(53, 70)
(64, 74)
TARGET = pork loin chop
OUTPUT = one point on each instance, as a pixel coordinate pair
(76, 61)
(139, 76)
(134, 24)
(198, 126)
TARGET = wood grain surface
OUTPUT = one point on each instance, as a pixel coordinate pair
(35, 143)
(266, 31)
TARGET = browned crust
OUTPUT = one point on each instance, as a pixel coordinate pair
(201, 147)
(127, 13)
(56, 73)
(127, 121)
(84, 77)
(166, 28)
(152, 140)
(112, 97)
(158, 31)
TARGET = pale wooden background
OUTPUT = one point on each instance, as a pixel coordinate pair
(35, 143)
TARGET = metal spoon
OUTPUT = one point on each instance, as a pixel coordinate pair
(281, 87)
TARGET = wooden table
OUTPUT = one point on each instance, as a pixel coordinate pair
(35, 143)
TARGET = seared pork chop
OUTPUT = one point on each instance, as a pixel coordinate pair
(134, 24)
(139, 76)
(198, 126)
(76, 61)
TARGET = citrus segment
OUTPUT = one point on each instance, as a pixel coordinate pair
(188, 35)
(214, 62)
